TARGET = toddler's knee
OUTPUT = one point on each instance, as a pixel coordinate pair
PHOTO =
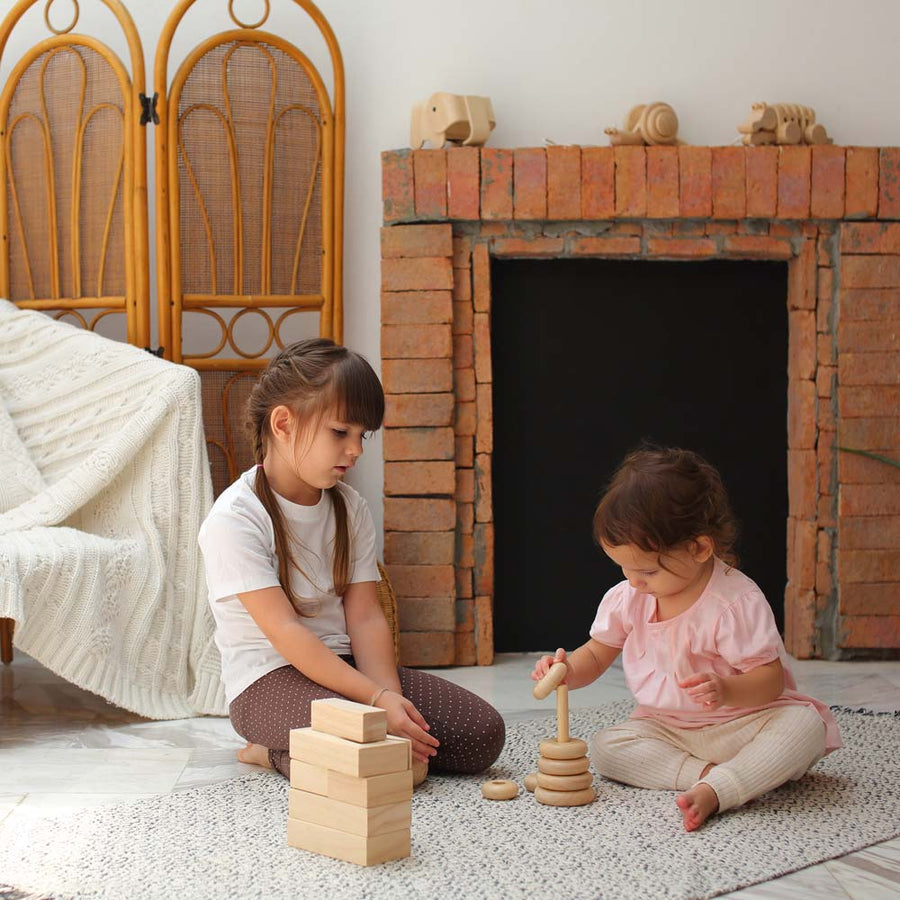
(607, 745)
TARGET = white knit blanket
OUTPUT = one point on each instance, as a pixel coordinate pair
(104, 482)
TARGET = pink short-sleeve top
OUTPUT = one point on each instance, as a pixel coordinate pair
(728, 630)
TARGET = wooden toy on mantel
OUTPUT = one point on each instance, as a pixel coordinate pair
(458, 118)
(563, 777)
(650, 123)
(782, 123)
(351, 785)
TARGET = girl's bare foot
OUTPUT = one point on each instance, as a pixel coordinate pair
(697, 805)
(255, 754)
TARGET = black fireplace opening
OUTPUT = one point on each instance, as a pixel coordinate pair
(591, 357)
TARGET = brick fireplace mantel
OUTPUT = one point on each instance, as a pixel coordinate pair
(832, 213)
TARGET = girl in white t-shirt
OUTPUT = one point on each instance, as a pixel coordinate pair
(289, 552)
(718, 717)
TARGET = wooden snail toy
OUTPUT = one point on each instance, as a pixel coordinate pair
(563, 777)
(650, 123)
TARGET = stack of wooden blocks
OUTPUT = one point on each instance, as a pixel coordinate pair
(351, 785)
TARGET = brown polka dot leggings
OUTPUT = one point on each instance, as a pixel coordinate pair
(470, 730)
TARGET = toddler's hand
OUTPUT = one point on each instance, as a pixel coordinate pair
(706, 688)
(542, 666)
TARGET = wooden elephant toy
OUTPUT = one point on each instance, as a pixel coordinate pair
(459, 118)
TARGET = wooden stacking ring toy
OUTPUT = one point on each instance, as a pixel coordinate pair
(499, 789)
(531, 782)
(563, 778)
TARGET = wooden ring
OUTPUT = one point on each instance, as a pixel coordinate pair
(565, 782)
(499, 789)
(551, 681)
(563, 766)
(570, 749)
(531, 782)
(60, 30)
(241, 24)
(564, 798)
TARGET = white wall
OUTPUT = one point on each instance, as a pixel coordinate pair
(558, 71)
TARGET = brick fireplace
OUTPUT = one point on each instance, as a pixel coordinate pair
(831, 213)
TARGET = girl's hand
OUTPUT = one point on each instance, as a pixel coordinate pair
(706, 689)
(542, 666)
(404, 720)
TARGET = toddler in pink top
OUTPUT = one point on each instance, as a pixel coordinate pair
(719, 717)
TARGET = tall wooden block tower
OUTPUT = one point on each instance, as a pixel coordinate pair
(351, 785)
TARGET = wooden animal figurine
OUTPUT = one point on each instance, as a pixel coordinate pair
(652, 123)
(782, 123)
(465, 120)
(563, 778)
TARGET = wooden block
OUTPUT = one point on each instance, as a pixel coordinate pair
(367, 821)
(346, 719)
(350, 847)
(373, 791)
(360, 760)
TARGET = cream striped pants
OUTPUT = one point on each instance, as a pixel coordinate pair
(751, 755)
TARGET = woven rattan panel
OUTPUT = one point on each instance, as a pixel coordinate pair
(88, 181)
(249, 162)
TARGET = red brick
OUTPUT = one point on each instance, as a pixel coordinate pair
(717, 228)
(631, 182)
(824, 290)
(416, 308)
(426, 613)
(827, 421)
(419, 514)
(889, 183)
(729, 186)
(826, 510)
(465, 385)
(418, 410)
(417, 376)
(862, 305)
(861, 566)
(688, 229)
(422, 581)
(682, 248)
(827, 192)
(462, 284)
(825, 381)
(869, 337)
(430, 179)
(870, 237)
(800, 622)
(869, 500)
(801, 344)
(853, 468)
(466, 421)
(484, 558)
(463, 317)
(464, 582)
(427, 273)
(802, 281)
(869, 368)
(794, 173)
(484, 504)
(871, 632)
(416, 342)
(484, 429)
(802, 483)
(416, 240)
(695, 176)
(528, 247)
(826, 352)
(863, 402)
(750, 246)
(605, 246)
(397, 193)
(827, 465)
(873, 599)
(496, 183)
(465, 650)
(465, 557)
(870, 271)
(427, 648)
(625, 229)
(662, 183)
(801, 563)
(481, 278)
(482, 337)
(465, 610)
(484, 631)
(424, 548)
(598, 193)
(462, 247)
(563, 182)
(762, 181)
(463, 357)
(465, 515)
(861, 197)
(465, 487)
(418, 443)
(530, 183)
(463, 182)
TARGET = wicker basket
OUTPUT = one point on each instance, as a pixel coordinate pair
(388, 601)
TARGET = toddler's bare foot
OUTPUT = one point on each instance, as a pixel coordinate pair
(255, 754)
(697, 805)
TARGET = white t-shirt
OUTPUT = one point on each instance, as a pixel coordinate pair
(238, 544)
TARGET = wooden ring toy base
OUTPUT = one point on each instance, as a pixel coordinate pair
(570, 749)
(563, 766)
(564, 798)
(499, 789)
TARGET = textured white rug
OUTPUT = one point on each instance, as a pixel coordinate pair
(228, 840)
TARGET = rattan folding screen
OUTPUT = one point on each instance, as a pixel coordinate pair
(73, 189)
(249, 159)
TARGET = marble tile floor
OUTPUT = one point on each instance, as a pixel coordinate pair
(62, 749)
